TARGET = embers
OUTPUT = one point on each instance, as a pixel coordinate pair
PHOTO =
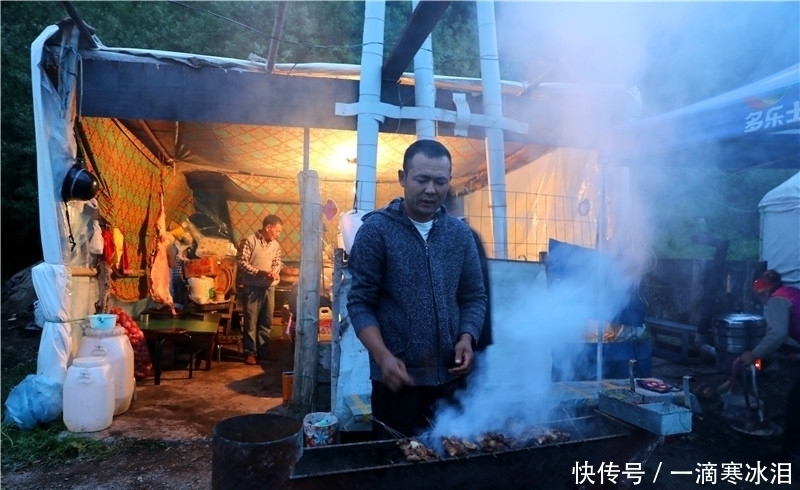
(488, 442)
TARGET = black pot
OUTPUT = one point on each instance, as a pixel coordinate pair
(79, 184)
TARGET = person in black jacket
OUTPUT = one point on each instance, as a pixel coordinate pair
(417, 300)
(485, 340)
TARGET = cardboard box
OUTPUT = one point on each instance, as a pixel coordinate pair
(360, 406)
(204, 266)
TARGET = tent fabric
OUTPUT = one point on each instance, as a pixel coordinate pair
(779, 210)
(757, 124)
(131, 184)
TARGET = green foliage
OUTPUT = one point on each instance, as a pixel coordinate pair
(455, 42)
(45, 444)
(724, 203)
(21, 23)
(13, 375)
(48, 444)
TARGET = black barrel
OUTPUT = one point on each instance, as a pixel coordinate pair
(255, 451)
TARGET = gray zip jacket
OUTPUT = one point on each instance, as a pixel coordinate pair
(422, 296)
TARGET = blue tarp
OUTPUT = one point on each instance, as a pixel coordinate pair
(755, 125)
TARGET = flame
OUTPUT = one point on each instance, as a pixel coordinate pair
(757, 364)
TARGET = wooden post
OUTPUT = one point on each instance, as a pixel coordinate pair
(306, 353)
(341, 286)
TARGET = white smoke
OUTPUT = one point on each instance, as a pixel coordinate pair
(676, 54)
(511, 388)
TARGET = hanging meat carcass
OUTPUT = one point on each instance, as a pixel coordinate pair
(159, 277)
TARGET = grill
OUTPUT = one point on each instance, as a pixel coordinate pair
(595, 439)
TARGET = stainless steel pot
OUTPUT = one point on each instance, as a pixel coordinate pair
(735, 333)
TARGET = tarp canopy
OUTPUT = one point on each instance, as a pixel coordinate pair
(754, 125)
(780, 229)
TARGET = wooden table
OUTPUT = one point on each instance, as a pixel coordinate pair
(202, 332)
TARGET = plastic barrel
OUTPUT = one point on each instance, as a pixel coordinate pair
(88, 395)
(115, 347)
(255, 451)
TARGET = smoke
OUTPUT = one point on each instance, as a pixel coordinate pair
(675, 54)
(511, 388)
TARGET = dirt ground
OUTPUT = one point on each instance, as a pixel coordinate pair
(173, 422)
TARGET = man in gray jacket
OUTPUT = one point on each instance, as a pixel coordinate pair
(417, 300)
(259, 262)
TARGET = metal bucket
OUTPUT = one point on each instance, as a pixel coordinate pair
(735, 333)
(255, 451)
(738, 332)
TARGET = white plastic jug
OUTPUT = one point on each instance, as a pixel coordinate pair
(201, 289)
(115, 347)
(349, 223)
(88, 395)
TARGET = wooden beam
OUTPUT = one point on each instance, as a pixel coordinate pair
(419, 26)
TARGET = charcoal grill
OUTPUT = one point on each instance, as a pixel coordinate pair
(596, 439)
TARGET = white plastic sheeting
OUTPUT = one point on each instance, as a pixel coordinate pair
(38, 398)
(56, 149)
(53, 285)
(50, 138)
(353, 376)
(543, 202)
(780, 229)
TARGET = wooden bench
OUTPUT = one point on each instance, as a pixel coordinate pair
(682, 333)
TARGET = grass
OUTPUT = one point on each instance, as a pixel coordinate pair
(49, 444)
(45, 444)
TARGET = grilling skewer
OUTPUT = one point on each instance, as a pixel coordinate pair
(631, 379)
(687, 393)
(394, 433)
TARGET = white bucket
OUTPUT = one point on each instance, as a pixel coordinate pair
(202, 289)
(349, 223)
(88, 395)
(115, 347)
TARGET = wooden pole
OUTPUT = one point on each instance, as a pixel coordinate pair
(306, 354)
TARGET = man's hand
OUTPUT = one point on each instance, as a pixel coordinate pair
(464, 355)
(746, 358)
(393, 370)
(394, 374)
